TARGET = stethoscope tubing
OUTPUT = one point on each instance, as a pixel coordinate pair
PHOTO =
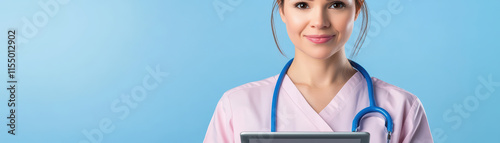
(355, 124)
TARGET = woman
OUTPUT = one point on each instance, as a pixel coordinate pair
(321, 90)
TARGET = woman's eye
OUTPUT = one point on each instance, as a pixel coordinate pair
(338, 5)
(301, 5)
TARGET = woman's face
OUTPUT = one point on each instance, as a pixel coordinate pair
(319, 28)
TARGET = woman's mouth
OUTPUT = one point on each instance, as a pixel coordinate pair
(318, 39)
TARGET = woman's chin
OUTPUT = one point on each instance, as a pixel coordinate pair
(320, 53)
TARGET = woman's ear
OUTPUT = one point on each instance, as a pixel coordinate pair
(282, 14)
(358, 9)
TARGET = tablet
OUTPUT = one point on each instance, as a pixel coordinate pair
(305, 137)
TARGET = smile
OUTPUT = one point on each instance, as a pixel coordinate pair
(318, 39)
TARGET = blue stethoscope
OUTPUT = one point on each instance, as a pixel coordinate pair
(355, 123)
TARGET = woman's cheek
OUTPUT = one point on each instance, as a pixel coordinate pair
(295, 28)
(344, 27)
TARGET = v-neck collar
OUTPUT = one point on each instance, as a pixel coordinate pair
(331, 110)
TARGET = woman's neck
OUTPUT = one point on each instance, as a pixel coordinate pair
(333, 71)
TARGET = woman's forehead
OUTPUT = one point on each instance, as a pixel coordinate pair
(317, 0)
(347, 1)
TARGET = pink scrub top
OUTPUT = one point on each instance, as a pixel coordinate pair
(248, 108)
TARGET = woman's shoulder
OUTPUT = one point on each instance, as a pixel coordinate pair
(406, 110)
(394, 95)
(383, 86)
(254, 88)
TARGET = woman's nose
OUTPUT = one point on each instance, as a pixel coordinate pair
(320, 19)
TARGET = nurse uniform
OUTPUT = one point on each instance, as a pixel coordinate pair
(248, 108)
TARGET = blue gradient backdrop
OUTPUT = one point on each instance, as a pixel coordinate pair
(87, 54)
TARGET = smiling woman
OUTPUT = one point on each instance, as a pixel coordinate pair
(360, 6)
(319, 89)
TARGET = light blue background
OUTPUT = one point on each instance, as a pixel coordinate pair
(91, 52)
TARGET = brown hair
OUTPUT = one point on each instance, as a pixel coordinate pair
(360, 5)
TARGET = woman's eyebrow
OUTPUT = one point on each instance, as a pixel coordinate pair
(298, 0)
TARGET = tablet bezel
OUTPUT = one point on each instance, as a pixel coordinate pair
(363, 136)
